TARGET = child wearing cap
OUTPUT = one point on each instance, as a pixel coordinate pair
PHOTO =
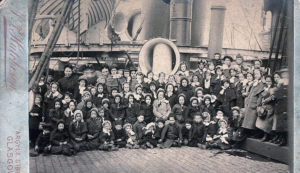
(170, 94)
(201, 69)
(42, 144)
(78, 130)
(186, 130)
(171, 134)
(50, 96)
(132, 110)
(113, 92)
(94, 126)
(106, 138)
(147, 107)
(139, 125)
(179, 109)
(120, 135)
(192, 109)
(86, 96)
(131, 138)
(161, 106)
(198, 132)
(60, 141)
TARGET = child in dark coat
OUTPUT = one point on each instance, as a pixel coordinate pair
(35, 117)
(207, 107)
(100, 95)
(198, 132)
(117, 109)
(139, 126)
(171, 133)
(157, 132)
(106, 138)
(147, 107)
(107, 113)
(55, 114)
(227, 97)
(221, 139)
(179, 109)
(94, 127)
(88, 105)
(78, 130)
(131, 112)
(42, 143)
(60, 140)
(120, 135)
(192, 109)
(186, 130)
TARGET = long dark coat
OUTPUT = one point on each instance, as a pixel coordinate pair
(251, 103)
(68, 84)
(281, 109)
(148, 112)
(56, 137)
(131, 113)
(94, 127)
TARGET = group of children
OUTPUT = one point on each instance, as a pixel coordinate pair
(123, 108)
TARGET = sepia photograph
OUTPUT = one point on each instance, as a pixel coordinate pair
(156, 85)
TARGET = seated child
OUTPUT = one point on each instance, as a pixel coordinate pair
(221, 139)
(198, 132)
(100, 95)
(132, 142)
(158, 130)
(171, 133)
(60, 140)
(42, 143)
(117, 109)
(94, 126)
(78, 130)
(179, 109)
(148, 139)
(120, 135)
(106, 138)
(186, 130)
(107, 113)
(139, 125)
(69, 113)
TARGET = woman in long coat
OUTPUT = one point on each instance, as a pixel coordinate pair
(265, 123)
(69, 81)
(253, 101)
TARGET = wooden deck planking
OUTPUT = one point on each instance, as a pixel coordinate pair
(184, 159)
(48, 165)
(56, 163)
(40, 164)
(32, 165)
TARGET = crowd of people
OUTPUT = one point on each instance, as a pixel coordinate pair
(217, 105)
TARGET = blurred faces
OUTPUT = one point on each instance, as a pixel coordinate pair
(188, 126)
(268, 81)
(37, 101)
(140, 118)
(105, 72)
(118, 127)
(181, 100)
(82, 83)
(54, 88)
(130, 99)
(86, 96)
(67, 98)
(107, 127)
(232, 73)
(222, 124)
(126, 87)
(239, 61)
(72, 106)
(249, 77)
(199, 93)
(139, 90)
(68, 72)
(256, 64)
(197, 118)
(61, 126)
(57, 105)
(257, 74)
(183, 67)
(114, 92)
(241, 77)
(126, 74)
(160, 95)
(78, 117)
(150, 76)
(217, 56)
(235, 113)
(171, 120)
(117, 99)
(148, 100)
(120, 72)
(207, 101)
(170, 88)
(133, 74)
(201, 66)
(160, 125)
(101, 112)
(161, 77)
(211, 66)
(276, 78)
(194, 103)
(219, 72)
(100, 88)
(105, 105)
(113, 71)
(184, 83)
(227, 62)
(93, 114)
(89, 104)
(195, 79)
(152, 87)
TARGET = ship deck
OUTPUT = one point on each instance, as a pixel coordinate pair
(184, 159)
